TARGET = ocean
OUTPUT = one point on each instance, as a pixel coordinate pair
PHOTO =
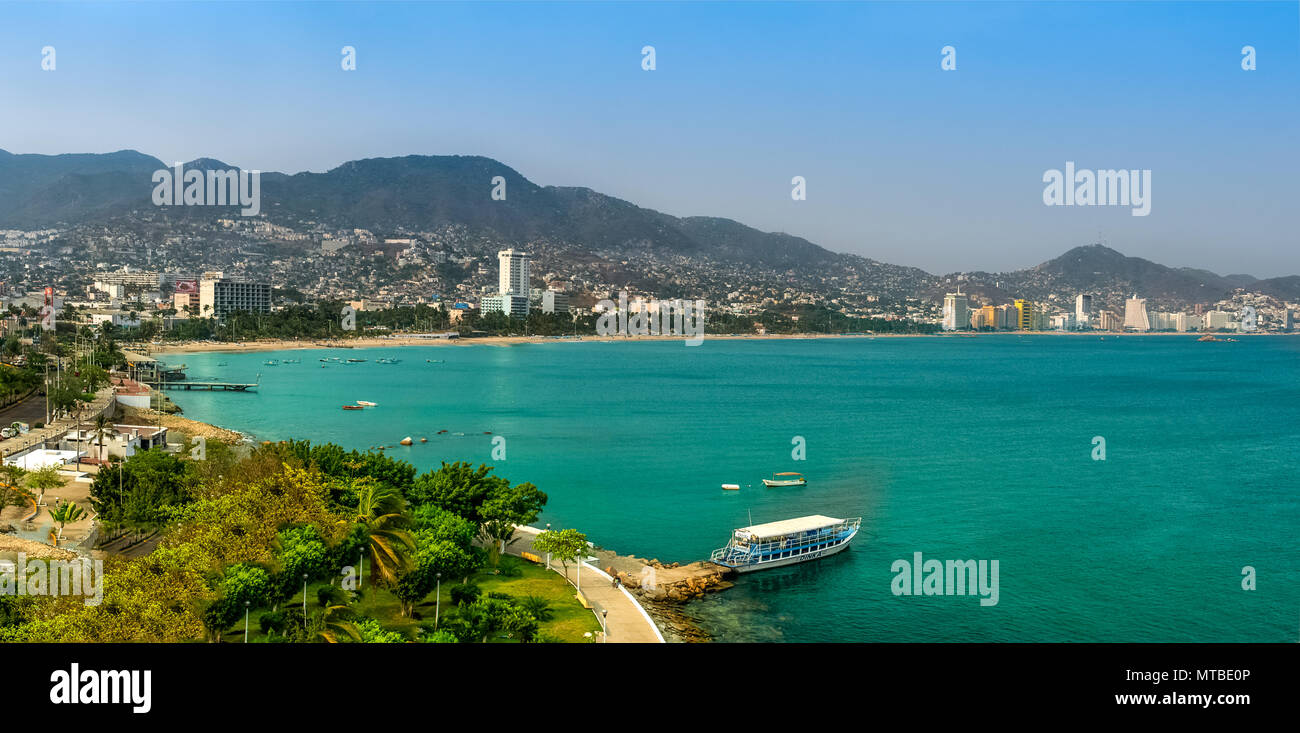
(957, 448)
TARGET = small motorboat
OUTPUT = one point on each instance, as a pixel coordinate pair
(353, 407)
(731, 487)
(787, 478)
(363, 403)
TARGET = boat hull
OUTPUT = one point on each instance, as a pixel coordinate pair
(794, 559)
(769, 483)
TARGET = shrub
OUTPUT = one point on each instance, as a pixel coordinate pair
(272, 622)
(538, 607)
(463, 595)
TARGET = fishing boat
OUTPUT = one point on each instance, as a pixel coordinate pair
(291, 361)
(355, 361)
(270, 362)
(353, 407)
(387, 360)
(363, 403)
(787, 478)
(786, 542)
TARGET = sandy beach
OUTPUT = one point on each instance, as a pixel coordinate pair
(370, 342)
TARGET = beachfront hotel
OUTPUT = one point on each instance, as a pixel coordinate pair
(220, 296)
(956, 311)
(1135, 314)
(512, 285)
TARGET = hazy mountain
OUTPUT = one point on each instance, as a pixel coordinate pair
(428, 192)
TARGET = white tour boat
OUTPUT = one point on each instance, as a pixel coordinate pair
(786, 542)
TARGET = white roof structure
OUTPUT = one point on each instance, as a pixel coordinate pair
(790, 526)
(42, 457)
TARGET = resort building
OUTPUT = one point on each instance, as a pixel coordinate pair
(1082, 310)
(1135, 314)
(555, 302)
(1025, 320)
(512, 286)
(956, 311)
(219, 296)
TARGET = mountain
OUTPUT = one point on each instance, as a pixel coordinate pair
(431, 193)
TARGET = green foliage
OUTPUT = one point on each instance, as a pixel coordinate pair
(565, 545)
(490, 502)
(462, 595)
(538, 607)
(143, 492)
(373, 633)
(442, 636)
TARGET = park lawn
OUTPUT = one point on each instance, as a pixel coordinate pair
(568, 622)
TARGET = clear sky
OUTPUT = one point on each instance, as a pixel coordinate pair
(904, 162)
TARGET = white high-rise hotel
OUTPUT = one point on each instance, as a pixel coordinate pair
(956, 311)
(512, 285)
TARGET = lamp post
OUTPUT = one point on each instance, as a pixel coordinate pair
(304, 600)
(245, 622)
(437, 607)
(548, 555)
(604, 628)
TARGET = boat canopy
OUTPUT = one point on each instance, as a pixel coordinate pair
(788, 526)
(788, 473)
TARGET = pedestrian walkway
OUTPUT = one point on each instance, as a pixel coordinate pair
(626, 621)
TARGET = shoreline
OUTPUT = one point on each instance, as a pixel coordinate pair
(376, 342)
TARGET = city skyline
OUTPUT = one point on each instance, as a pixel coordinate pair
(904, 162)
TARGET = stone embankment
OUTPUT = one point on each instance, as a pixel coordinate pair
(664, 589)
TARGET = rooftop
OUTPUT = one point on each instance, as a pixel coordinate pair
(790, 526)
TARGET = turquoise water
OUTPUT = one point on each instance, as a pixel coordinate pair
(959, 448)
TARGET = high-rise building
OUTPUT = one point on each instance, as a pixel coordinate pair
(1008, 318)
(956, 311)
(1108, 321)
(1026, 320)
(1135, 314)
(513, 279)
(512, 285)
(1082, 310)
(220, 296)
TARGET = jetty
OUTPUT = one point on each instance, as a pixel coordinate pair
(207, 386)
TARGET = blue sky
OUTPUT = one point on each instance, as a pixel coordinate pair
(904, 162)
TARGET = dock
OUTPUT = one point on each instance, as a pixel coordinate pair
(207, 386)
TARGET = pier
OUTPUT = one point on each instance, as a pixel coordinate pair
(206, 386)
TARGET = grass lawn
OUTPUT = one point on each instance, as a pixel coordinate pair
(568, 622)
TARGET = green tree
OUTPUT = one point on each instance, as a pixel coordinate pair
(565, 545)
(65, 514)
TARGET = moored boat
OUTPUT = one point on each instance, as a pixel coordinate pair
(363, 403)
(731, 487)
(786, 542)
(786, 478)
(353, 407)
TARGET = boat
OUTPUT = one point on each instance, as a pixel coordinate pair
(353, 407)
(787, 478)
(786, 542)
(363, 403)
(291, 361)
(1209, 337)
(355, 361)
(731, 487)
(270, 362)
(387, 360)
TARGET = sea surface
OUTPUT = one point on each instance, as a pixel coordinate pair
(958, 448)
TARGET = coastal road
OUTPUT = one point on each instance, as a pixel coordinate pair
(626, 622)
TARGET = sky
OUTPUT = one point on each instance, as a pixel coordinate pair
(904, 162)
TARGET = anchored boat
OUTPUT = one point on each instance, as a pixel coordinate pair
(787, 478)
(786, 542)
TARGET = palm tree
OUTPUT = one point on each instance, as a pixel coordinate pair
(335, 621)
(103, 428)
(65, 514)
(379, 513)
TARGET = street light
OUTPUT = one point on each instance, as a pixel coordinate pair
(437, 608)
(245, 622)
(548, 555)
(604, 629)
(304, 600)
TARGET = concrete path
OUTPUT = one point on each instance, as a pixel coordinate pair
(626, 622)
